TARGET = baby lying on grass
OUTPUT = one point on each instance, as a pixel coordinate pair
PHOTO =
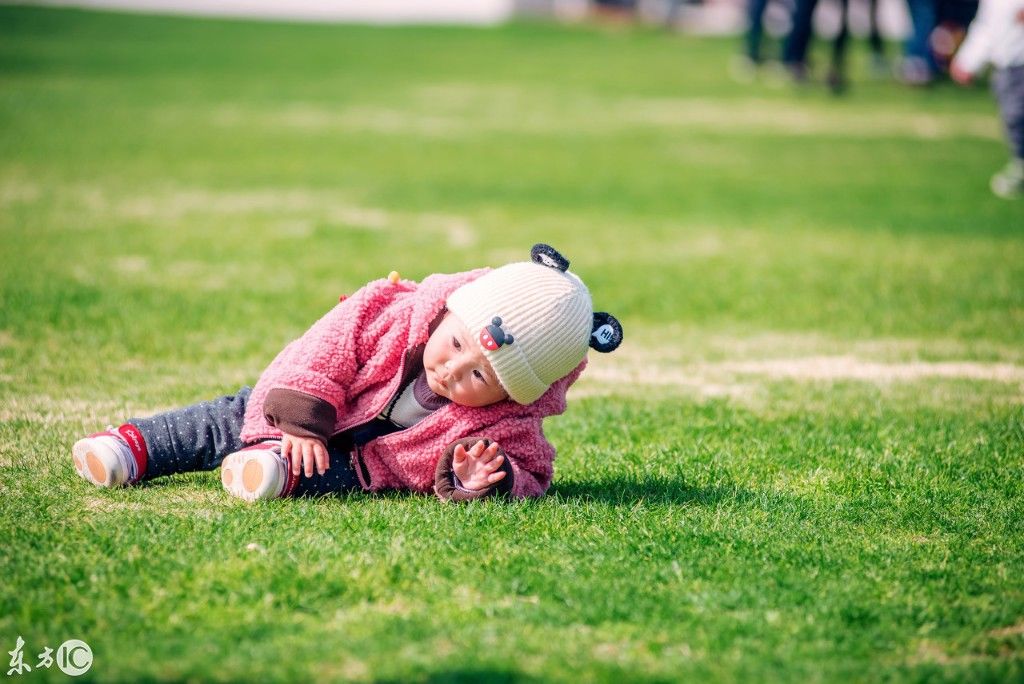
(437, 385)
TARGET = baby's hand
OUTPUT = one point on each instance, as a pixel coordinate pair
(304, 452)
(476, 468)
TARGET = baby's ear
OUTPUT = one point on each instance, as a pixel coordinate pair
(606, 335)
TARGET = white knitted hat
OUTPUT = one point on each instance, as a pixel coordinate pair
(533, 320)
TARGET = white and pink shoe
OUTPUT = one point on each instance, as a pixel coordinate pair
(257, 472)
(107, 459)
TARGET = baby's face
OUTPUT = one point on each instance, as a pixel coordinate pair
(457, 368)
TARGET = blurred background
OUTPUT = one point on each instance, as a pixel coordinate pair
(940, 23)
(761, 182)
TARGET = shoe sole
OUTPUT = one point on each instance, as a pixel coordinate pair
(88, 464)
(249, 474)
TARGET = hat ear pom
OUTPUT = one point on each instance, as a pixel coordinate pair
(546, 255)
(606, 335)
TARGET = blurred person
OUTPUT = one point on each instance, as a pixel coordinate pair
(945, 41)
(996, 38)
(879, 62)
(614, 11)
(410, 386)
(918, 66)
(797, 44)
(752, 57)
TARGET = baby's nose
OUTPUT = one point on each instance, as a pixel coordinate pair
(454, 369)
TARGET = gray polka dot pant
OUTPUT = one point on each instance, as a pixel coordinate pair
(200, 436)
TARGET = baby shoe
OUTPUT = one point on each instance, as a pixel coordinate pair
(105, 459)
(257, 472)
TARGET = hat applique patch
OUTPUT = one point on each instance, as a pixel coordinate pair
(606, 335)
(546, 255)
(492, 337)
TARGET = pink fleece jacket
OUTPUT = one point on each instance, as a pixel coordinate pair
(353, 358)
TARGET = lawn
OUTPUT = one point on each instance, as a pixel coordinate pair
(805, 463)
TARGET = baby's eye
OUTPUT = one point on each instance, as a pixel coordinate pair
(455, 343)
(479, 376)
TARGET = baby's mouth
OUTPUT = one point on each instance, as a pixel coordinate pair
(440, 382)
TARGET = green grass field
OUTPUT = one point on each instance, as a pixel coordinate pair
(804, 464)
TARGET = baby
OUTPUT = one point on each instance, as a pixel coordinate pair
(439, 385)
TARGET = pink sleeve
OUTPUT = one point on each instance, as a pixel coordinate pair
(528, 459)
(324, 361)
(529, 453)
(528, 484)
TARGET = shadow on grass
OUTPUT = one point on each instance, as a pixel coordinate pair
(467, 675)
(620, 491)
(630, 491)
(615, 490)
(498, 676)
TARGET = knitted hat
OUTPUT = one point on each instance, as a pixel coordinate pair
(534, 322)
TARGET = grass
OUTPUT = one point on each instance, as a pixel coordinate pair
(805, 464)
